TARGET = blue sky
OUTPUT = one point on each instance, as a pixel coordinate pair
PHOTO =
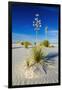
(22, 23)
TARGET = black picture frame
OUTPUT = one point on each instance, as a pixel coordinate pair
(10, 3)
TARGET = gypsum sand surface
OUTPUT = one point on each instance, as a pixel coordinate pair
(21, 75)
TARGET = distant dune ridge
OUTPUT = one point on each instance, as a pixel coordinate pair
(34, 75)
(14, 45)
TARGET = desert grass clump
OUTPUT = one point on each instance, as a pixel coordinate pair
(26, 44)
(46, 43)
(22, 43)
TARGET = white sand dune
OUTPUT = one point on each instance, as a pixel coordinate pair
(34, 75)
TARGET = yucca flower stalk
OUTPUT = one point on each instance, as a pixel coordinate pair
(46, 31)
(37, 25)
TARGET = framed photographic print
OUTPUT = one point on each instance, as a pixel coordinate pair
(33, 44)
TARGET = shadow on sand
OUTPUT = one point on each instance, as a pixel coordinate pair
(50, 56)
(49, 59)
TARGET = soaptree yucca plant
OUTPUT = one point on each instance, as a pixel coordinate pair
(37, 57)
(37, 54)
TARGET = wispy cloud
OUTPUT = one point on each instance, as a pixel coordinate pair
(53, 32)
(52, 36)
(22, 37)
